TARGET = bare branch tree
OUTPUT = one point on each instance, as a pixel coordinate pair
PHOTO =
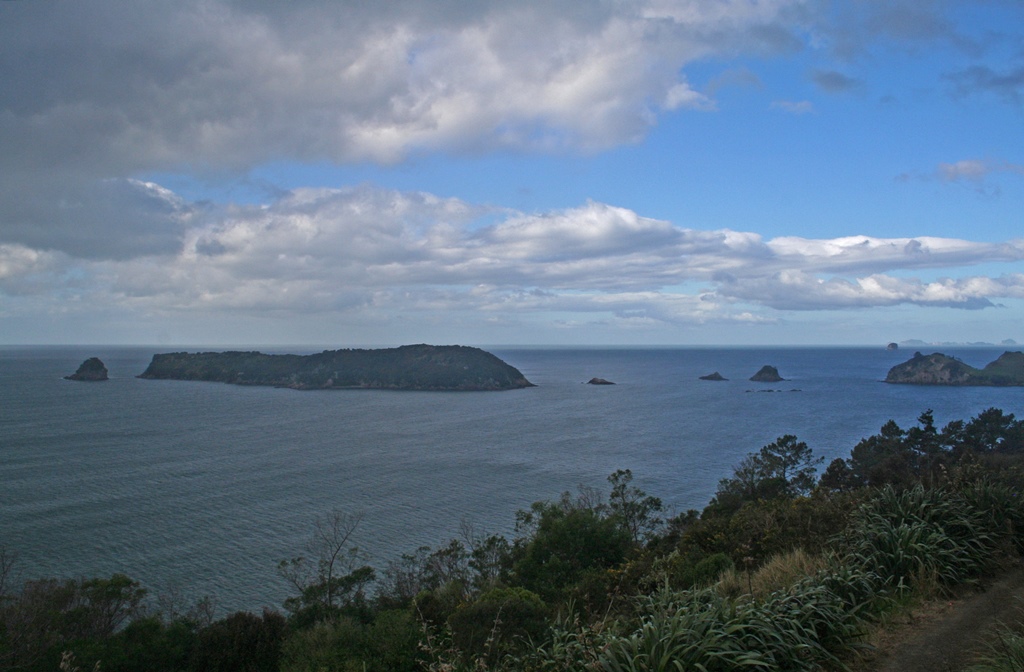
(330, 537)
(329, 573)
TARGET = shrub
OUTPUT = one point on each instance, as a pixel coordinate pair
(389, 644)
(499, 622)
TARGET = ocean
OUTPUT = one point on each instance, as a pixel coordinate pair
(202, 489)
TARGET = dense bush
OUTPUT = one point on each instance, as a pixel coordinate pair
(388, 644)
(499, 622)
(566, 544)
(241, 642)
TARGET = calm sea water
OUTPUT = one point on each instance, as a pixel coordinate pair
(202, 488)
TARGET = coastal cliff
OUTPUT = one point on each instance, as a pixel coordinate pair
(409, 367)
(940, 369)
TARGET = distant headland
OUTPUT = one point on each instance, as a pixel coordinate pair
(940, 369)
(409, 367)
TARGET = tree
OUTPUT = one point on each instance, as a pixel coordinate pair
(490, 559)
(633, 508)
(882, 459)
(403, 579)
(790, 461)
(784, 468)
(332, 578)
(896, 456)
(565, 545)
(838, 477)
(413, 573)
(991, 431)
(48, 615)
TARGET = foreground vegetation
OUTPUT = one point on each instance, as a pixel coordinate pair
(781, 571)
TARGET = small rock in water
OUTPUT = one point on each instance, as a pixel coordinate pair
(92, 370)
(767, 374)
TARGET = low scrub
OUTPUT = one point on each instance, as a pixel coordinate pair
(780, 572)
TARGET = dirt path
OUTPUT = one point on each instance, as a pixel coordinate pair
(946, 636)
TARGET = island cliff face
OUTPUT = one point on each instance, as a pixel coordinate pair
(410, 367)
(940, 369)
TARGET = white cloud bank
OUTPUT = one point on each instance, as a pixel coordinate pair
(378, 254)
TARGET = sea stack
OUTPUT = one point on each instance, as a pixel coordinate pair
(92, 370)
(767, 374)
(713, 376)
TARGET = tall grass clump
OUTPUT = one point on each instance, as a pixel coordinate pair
(1006, 654)
(779, 572)
(696, 629)
(921, 537)
(798, 628)
(1002, 510)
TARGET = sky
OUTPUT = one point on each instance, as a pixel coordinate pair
(551, 172)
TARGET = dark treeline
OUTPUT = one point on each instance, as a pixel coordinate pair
(782, 570)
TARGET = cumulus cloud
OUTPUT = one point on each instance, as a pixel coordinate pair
(375, 252)
(21, 261)
(233, 84)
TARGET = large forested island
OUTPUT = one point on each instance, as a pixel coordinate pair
(940, 369)
(409, 367)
